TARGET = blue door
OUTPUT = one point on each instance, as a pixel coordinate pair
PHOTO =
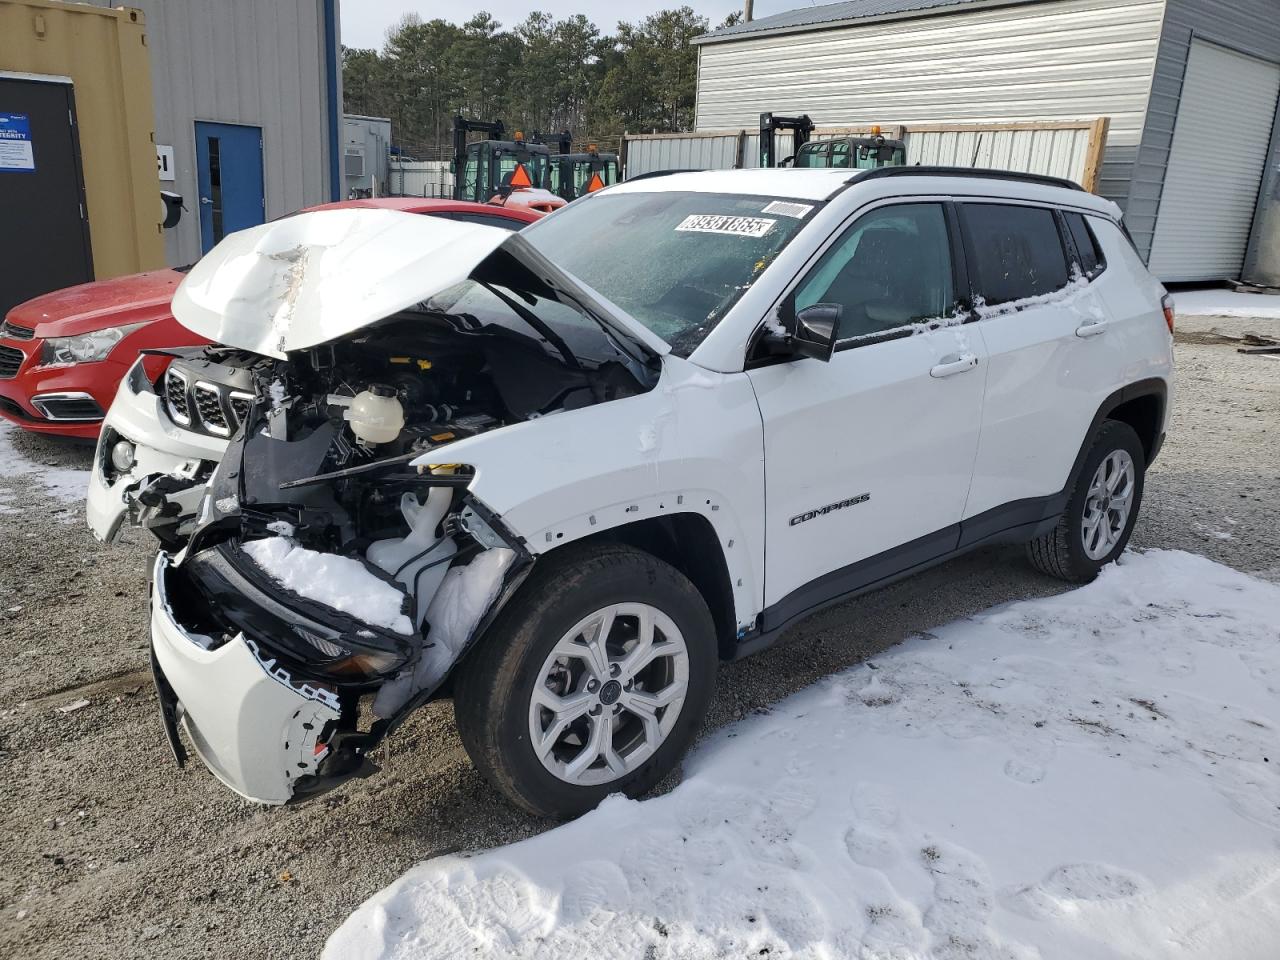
(229, 177)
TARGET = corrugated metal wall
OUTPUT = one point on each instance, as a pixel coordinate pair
(241, 61)
(1249, 26)
(724, 150)
(1058, 152)
(1209, 197)
(1043, 61)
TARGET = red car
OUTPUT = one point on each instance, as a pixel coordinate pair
(63, 354)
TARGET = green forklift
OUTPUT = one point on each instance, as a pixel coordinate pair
(483, 167)
(850, 153)
(576, 174)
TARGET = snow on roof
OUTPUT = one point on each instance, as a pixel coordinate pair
(831, 14)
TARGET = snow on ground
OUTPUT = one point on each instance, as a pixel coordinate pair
(1226, 303)
(61, 483)
(1094, 775)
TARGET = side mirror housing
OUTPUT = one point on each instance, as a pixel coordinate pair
(809, 333)
(814, 334)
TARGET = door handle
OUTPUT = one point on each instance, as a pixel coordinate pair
(1091, 328)
(205, 200)
(955, 363)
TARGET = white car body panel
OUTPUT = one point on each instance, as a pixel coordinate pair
(870, 423)
(690, 445)
(160, 447)
(1051, 369)
(1133, 299)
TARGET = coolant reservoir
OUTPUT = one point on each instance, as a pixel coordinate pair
(375, 415)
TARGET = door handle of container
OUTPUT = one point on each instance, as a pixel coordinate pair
(954, 363)
(1091, 328)
(205, 200)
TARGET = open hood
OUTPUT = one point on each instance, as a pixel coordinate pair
(305, 280)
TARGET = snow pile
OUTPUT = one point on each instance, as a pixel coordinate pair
(338, 582)
(1095, 775)
(1226, 303)
(60, 483)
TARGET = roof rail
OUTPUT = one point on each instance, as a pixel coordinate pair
(922, 171)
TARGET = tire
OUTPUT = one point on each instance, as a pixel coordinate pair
(1070, 551)
(522, 658)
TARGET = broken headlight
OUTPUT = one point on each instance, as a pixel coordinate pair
(350, 659)
(231, 591)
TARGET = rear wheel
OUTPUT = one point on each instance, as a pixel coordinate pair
(1103, 508)
(593, 680)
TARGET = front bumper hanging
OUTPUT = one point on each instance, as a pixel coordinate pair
(257, 729)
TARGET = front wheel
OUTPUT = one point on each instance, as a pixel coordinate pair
(593, 680)
(1103, 508)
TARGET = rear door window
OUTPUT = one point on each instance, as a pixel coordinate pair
(1088, 253)
(1016, 251)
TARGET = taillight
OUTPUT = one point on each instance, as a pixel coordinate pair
(1166, 304)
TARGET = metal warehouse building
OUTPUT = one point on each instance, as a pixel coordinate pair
(1190, 87)
(248, 111)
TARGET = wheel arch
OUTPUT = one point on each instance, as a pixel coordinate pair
(1144, 412)
(1141, 405)
(688, 542)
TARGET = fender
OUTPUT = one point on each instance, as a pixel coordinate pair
(692, 444)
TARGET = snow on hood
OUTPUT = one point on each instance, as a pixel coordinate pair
(308, 279)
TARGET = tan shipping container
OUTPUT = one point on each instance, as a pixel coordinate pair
(104, 53)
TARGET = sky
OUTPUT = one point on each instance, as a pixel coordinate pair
(365, 22)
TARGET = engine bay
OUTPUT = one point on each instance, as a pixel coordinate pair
(386, 568)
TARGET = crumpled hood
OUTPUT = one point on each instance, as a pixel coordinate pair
(308, 279)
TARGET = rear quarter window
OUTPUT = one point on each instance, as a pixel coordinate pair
(1089, 255)
(1015, 252)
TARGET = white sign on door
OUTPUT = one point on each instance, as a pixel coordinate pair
(164, 161)
(16, 153)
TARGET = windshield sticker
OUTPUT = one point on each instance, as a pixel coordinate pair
(787, 209)
(718, 223)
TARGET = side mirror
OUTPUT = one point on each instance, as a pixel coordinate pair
(810, 333)
(815, 331)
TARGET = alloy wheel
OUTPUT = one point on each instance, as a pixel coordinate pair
(1108, 505)
(608, 694)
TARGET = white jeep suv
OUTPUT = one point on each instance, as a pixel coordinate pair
(559, 475)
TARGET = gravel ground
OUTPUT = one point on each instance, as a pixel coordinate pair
(109, 851)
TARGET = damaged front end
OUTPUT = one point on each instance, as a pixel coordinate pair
(337, 565)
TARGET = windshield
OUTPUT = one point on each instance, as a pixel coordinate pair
(675, 261)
